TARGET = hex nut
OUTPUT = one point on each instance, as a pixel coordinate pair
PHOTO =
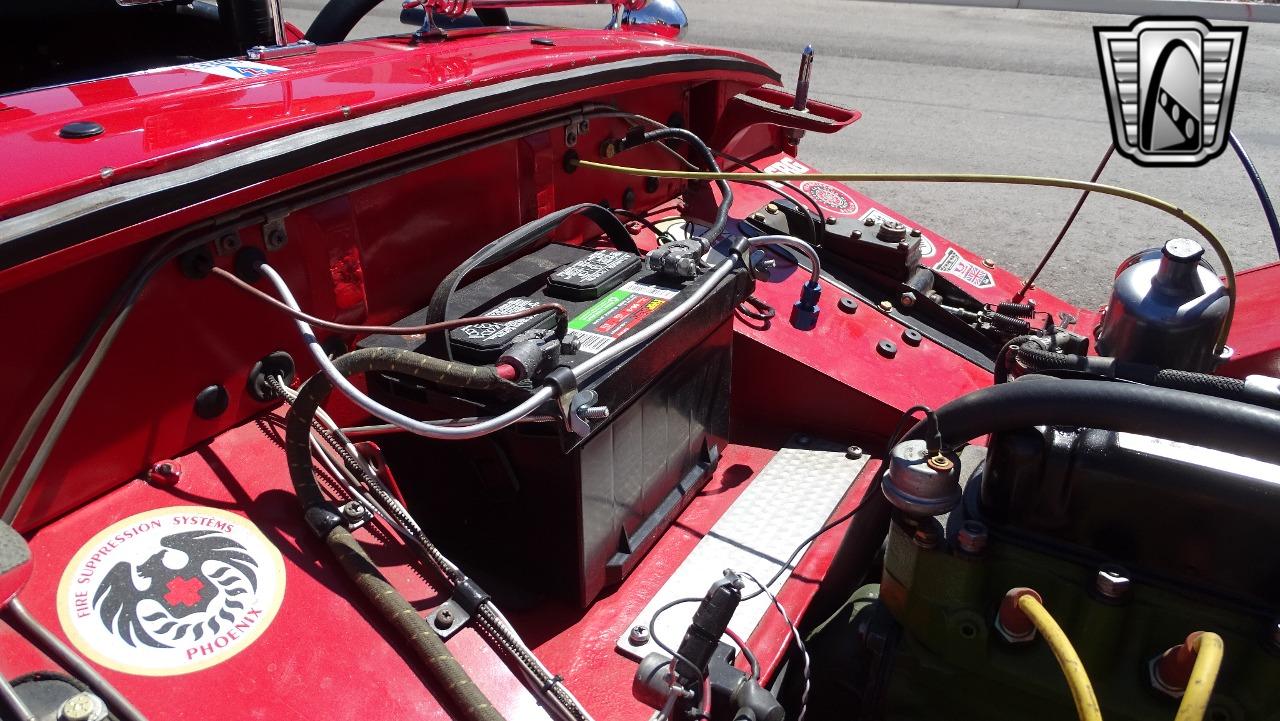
(972, 537)
(1112, 582)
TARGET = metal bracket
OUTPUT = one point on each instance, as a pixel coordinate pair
(448, 618)
(275, 52)
(274, 235)
(577, 127)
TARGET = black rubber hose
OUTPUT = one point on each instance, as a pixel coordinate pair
(371, 360)
(440, 664)
(708, 159)
(1037, 359)
(468, 700)
(337, 19)
(1174, 415)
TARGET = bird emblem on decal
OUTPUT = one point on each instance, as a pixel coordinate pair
(188, 589)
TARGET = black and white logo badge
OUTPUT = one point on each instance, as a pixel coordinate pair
(1170, 85)
(171, 591)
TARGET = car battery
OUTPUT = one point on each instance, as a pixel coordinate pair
(537, 506)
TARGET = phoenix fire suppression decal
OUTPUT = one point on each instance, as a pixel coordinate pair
(971, 273)
(171, 591)
(827, 195)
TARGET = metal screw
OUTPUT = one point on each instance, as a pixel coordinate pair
(639, 635)
(353, 510)
(831, 221)
(227, 243)
(908, 299)
(444, 619)
(106, 173)
(856, 234)
(972, 537)
(886, 306)
(869, 222)
(853, 453)
(81, 707)
(1112, 582)
(275, 239)
(989, 262)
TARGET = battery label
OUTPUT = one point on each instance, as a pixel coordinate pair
(593, 267)
(617, 314)
(488, 333)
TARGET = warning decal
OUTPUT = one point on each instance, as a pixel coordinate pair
(617, 314)
(171, 591)
(488, 333)
(971, 273)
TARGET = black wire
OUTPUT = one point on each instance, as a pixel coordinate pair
(822, 216)
(1263, 197)
(708, 157)
(653, 634)
(639, 218)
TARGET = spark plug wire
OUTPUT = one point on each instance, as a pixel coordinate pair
(1077, 680)
(1228, 269)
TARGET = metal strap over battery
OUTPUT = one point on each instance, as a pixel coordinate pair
(502, 248)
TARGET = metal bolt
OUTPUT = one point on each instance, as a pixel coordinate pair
(908, 299)
(593, 413)
(639, 635)
(831, 221)
(856, 234)
(275, 239)
(166, 472)
(353, 510)
(869, 222)
(926, 537)
(771, 208)
(989, 262)
(81, 707)
(853, 453)
(444, 619)
(886, 306)
(972, 537)
(758, 218)
(1112, 582)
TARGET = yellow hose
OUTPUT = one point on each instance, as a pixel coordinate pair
(1228, 270)
(1077, 679)
(1209, 648)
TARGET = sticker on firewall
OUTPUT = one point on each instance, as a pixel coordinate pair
(952, 264)
(830, 197)
(927, 248)
(171, 591)
(234, 68)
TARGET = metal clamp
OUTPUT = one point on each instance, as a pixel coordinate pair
(274, 235)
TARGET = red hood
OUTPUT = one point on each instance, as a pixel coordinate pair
(164, 119)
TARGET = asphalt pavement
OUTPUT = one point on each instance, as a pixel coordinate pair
(950, 89)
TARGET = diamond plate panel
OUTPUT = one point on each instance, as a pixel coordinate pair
(794, 494)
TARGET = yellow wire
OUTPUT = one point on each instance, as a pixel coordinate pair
(1209, 649)
(1228, 270)
(1077, 679)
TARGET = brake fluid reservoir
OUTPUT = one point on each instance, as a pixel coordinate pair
(1167, 309)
